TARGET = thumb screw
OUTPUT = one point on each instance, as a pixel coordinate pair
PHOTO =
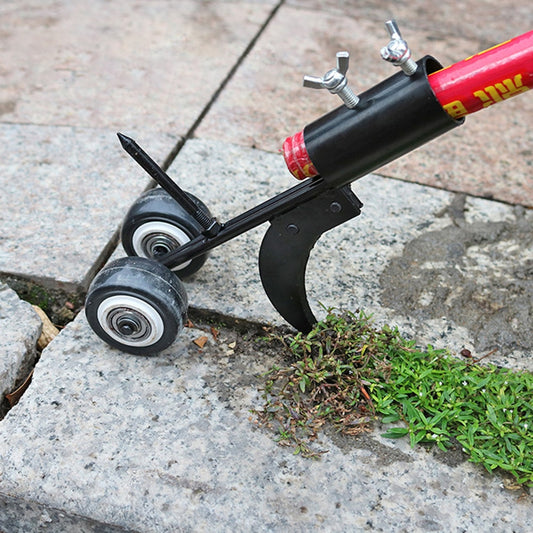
(397, 52)
(335, 81)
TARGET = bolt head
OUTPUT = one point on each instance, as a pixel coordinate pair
(293, 229)
(335, 207)
(396, 51)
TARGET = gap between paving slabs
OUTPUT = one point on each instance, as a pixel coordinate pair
(20, 328)
(28, 331)
(57, 303)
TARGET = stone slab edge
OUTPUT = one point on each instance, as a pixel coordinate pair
(165, 443)
(20, 328)
(18, 515)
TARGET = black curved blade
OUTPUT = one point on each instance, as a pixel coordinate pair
(286, 246)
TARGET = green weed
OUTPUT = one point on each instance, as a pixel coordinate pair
(348, 372)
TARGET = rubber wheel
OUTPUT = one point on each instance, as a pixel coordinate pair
(156, 224)
(136, 305)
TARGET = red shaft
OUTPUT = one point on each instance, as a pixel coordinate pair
(485, 78)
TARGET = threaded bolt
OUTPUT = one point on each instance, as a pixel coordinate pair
(335, 81)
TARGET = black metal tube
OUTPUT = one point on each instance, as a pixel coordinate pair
(392, 118)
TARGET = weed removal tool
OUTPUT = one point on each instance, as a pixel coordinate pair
(138, 303)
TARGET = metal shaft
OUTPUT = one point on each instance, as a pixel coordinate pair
(159, 175)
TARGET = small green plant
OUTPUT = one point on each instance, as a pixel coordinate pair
(349, 373)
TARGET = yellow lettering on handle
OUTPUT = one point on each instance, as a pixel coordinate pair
(455, 109)
(485, 99)
(501, 91)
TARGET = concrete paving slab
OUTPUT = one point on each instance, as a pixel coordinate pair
(450, 270)
(103, 441)
(20, 328)
(264, 103)
(444, 20)
(86, 72)
(65, 191)
(151, 65)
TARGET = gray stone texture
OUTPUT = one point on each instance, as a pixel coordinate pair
(65, 191)
(166, 443)
(20, 328)
(72, 75)
(104, 442)
(147, 66)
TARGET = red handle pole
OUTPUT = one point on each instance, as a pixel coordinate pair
(485, 78)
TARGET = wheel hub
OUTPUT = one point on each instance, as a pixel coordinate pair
(157, 238)
(130, 320)
(129, 324)
(158, 244)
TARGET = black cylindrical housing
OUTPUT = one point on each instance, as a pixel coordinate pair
(392, 118)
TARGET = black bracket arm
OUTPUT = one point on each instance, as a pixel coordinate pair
(286, 247)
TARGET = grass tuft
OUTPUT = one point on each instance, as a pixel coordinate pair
(349, 373)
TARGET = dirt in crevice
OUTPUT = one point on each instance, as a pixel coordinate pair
(60, 305)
